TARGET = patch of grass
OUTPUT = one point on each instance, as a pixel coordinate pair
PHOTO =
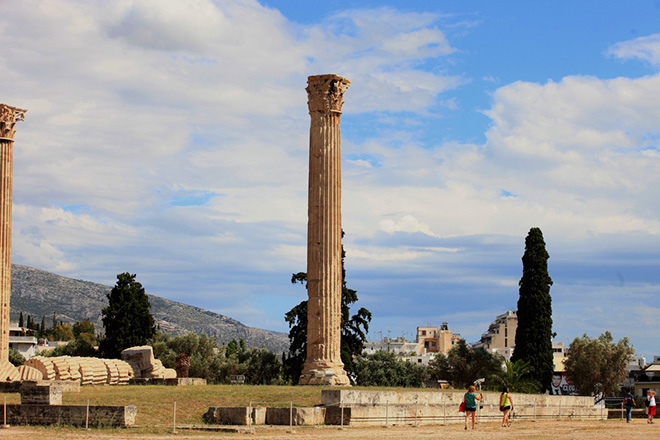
(155, 404)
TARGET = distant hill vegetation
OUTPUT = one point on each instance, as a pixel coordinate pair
(40, 293)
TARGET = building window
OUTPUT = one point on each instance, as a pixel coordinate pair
(423, 332)
(505, 342)
(433, 344)
(426, 344)
(506, 332)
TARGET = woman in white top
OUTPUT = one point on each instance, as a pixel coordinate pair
(650, 395)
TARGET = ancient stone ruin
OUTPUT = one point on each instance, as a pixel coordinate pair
(9, 116)
(323, 364)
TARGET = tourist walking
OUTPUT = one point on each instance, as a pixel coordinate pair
(506, 405)
(628, 403)
(470, 400)
(650, 395)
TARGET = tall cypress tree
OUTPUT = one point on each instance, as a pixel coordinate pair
(534, 332)
(127, 319)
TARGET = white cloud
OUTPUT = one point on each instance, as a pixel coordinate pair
(646, 48)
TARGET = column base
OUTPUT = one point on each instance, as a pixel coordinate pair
(324, 375)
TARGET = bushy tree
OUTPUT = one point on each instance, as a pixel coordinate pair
(463, 365)
(62, 332)
(515, 376)
(297, 320)
(84, 326)
(127, 319)
(386, 369)
(534, 332)
(261, 366)
(598, 366)
(216, 363)
(16, 358)
(354, 328)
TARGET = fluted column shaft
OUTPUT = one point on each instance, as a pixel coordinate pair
(8, 118)
(324, 283)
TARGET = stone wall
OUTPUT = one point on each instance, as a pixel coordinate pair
(351, 407)
(76, 415)
(414, 408)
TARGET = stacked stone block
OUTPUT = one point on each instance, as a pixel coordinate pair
(29, 373)
(87, 371)
(8, 372)
(142, 359)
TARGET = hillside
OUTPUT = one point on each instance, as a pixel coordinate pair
(39, 293)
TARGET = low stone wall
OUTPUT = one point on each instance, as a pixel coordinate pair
(350, 407)
(228, 415)
(34, 394)
(265, 416)
(382, 408)
(76, 415)
(295, 416)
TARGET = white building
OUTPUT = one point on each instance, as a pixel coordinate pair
(398, 345)
(22, 340)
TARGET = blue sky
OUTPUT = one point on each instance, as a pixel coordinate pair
(170, 139)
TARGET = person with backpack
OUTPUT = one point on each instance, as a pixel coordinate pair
(628, 403)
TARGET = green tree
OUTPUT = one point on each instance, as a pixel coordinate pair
(297, 320)
(534, 332)
(84, 326)
(62, 332)
(232, 348)
(261, 366)
(16, 358)
(386, 369)
(463, 365)
(20, 320)
(598, 366)
(127, 319)
(515, 376)
(82, 346)
(354, 328)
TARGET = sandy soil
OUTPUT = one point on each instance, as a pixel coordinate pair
(555, 430)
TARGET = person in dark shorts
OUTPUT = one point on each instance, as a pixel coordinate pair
(506, 405)
(470, 400)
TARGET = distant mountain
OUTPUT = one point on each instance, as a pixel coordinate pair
(40, 293)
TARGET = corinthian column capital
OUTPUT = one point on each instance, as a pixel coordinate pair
(325, 93)
(9, 116)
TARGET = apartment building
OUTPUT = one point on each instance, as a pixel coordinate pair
(501, 334)
(435, 339)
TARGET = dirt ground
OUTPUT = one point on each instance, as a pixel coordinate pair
(555, 430)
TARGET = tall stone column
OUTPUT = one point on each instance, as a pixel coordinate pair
(9, 116)
(323, 364)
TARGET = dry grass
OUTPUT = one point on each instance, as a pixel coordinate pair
(155, 404)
